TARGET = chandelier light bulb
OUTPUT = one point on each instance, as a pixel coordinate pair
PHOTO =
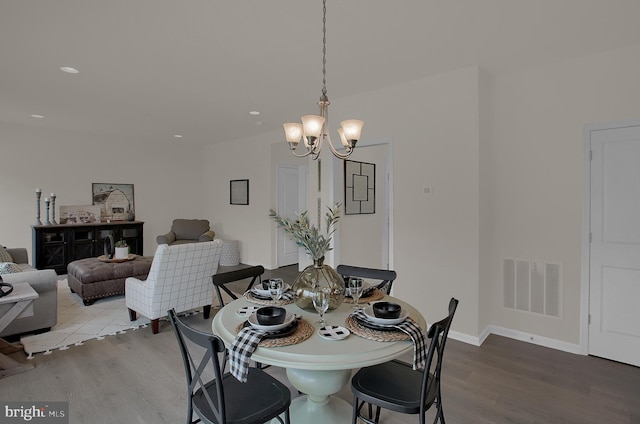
(352, 129)
(312, 125)
(292, 133)
(343, 140)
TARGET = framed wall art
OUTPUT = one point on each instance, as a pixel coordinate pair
(79, 214)
(239, 192)
(359, 187)
(115, 200)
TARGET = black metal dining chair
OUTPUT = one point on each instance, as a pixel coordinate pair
(396, 386)
(222, 399)
(219, 280)
(385, 277)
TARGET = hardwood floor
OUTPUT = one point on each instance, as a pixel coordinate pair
(138, 377)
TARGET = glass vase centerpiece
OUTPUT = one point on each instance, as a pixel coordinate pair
(316, 244)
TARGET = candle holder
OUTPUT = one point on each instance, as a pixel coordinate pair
(38, 194)
(53, 209)
(46, 208)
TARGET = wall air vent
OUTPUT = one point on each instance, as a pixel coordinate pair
(532, 286)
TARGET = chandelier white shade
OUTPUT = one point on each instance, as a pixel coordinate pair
(314, 128)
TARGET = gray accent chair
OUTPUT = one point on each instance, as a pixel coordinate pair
(187, 231)
(45, 307)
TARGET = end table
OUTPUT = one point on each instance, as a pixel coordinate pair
(18, 304)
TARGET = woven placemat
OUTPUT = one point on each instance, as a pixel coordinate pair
(302, 333)
(266, 302)
(378, 335)
(375, 294)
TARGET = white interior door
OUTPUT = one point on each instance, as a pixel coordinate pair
(614, 275)
(288, 206)
(364, 238)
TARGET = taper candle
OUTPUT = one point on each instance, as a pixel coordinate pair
(38, 194)
(53, 208)
(46, 208)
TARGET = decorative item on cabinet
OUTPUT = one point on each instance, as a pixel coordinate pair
(121, 250)
(109, 248)
(116, 201)
(53, 209)
(38, 195)
(46, 208)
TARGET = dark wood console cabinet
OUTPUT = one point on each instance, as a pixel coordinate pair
(54, 246)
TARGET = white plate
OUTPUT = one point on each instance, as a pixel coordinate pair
(368, 311)
(253, 320)
(333, 332)
(245, 311)
(262, 292)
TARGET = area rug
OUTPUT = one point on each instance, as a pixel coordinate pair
(78, 323)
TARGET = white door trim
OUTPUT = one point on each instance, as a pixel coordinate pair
(302, 202)
(338, 193)
(586, 225)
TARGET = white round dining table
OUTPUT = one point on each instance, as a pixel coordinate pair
(318, 367)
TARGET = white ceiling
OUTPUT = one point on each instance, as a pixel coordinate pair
(150, 69)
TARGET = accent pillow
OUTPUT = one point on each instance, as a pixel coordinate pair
(5, 256)
(9, 268)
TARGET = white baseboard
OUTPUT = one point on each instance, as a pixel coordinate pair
(517, 335)
(465, 338)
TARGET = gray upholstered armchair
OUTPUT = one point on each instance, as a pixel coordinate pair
(179, 278)
(187, 231)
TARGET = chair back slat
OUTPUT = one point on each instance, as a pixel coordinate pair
(385, 277)
(219, 280)
(438, 333)
(207, 357)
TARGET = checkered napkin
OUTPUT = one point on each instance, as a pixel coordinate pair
(286, 296)
(243, 346)
(413, 330)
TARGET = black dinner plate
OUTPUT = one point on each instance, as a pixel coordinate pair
(373, 326)
(260, 296)
(287, 331)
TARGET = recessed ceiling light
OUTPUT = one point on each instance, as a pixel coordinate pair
(177, 135)
(37, 116)
(254, 113)
(69, 70)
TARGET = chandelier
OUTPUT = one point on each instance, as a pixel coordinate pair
(314, 128)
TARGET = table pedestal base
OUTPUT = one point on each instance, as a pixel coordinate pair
(335, 410)
(318, 406)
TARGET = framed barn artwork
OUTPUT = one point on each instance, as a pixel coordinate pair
(115, 200)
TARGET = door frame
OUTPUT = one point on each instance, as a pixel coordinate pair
(586, 225)
(303, 178)
(388, 184)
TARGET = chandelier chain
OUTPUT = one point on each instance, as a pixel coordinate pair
(324, 47)
(314, 128)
